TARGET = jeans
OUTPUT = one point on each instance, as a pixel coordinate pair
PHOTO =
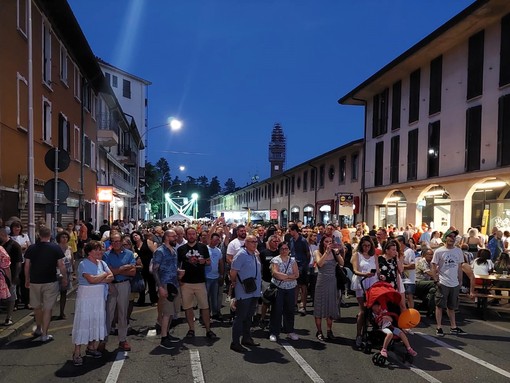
(283, 306)
(212, 286)
(245, 309)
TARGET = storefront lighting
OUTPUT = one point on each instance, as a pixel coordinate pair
(393, 199)
(433, 193)
(491, 184)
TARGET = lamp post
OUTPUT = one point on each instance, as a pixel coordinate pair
(194, 197)
(174, 125)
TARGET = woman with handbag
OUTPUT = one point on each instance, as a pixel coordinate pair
(326, 291)
(145, 248)
(285, 274)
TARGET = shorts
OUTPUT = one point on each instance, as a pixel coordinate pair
(189, 291)
(409, 288)
(170, 308)
(303, 275)
(393, 330)
(43, 295)
(447, 297)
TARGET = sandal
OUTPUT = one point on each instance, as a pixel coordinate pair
(320, 336)
(77, 360)
(190, 334)
(93, 353)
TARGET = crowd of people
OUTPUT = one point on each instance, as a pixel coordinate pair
(188, 267)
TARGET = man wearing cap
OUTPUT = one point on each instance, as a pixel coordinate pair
(447, 273)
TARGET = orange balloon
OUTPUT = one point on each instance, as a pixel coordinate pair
(409, 318)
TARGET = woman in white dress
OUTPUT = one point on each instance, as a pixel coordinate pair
(90, 314)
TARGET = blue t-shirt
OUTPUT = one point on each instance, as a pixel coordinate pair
(213, 270)
(247, 266)
(167, 261)
(88, 267)
(114, 261)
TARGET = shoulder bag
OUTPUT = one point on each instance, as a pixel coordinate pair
(269, 294)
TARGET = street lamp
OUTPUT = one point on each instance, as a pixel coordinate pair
(194, 197)
(174, 125)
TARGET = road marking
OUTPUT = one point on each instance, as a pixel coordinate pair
(113, 375)
(423, 374)
(196, 366)
(491, 325)
(465, 355)
(302, 363)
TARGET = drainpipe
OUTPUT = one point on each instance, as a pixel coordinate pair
(315, 194)
(81, 213)
(270, 191)
(364, 196)
(30, 164)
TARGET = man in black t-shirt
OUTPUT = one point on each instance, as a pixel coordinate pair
(41, 261)
(193, 257)
(14, 250)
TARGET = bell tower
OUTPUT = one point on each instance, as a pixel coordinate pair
(277, 151)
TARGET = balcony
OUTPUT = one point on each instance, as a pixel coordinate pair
(122, 186)
(128, 157)
(108, 130)
(107, 138)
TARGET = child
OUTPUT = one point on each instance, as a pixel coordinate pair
(384, 320)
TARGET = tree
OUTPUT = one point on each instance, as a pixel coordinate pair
(230, 186)
(214, 186)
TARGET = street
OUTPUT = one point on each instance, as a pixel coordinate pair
(482, 355)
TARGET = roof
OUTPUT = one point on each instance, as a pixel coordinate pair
(127, 74)
(464, 24)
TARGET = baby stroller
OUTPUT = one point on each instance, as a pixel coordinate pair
(389, 299)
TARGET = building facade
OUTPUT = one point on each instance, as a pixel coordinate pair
(323, 189)
(437, 126)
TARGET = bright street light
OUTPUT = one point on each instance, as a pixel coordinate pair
(174, 123)
(182, 168)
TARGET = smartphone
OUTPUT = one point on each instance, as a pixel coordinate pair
(222, 215)
(338, 240)
(373, 271)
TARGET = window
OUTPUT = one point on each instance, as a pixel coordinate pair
(412, 155)
(395, 159)
(46, 48)
(305, 180)
(286, 186)
(22, 102)
(322, 170)
(379, 164)
(64, 133)
(63, 64)
(298, 183)
(292, 183)
(87, 151)
(354, 166)
(504, 58)
(341, 170)
(433, 151)
(108, 78)
(414, 96)
(46, 121)
(504, 131)
(77, 83)
(22, 16)
(396, 105)
(77, 144)
(92, 155)
(281, 187)
(475, 65)
(87, 97)
(312, 179)
(380, 113)
(331, 173)
(473, 137)
(126, 88)
(115, 81)
(436, 79)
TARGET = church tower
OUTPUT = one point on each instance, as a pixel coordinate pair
(277, 151)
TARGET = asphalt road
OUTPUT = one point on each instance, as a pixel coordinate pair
(481, 356)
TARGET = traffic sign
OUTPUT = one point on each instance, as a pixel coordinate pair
(62, 190)
(63, 159)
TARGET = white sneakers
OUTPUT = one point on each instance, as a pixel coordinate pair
(272, 338)
(293, 336)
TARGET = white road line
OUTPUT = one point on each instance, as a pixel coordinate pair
(302, 363)
(116, 367)
(424, 375)
(196, 367)
(491, 325)
(465, 355)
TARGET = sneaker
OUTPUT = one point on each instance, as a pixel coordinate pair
(411, 352)
(384, 352)
(319, 335)
(457, 331)
(358, 341)
(77, 360)
(166, 343)
(211, 335)
(124, 346)
(93, 353)
(36, 332)
(272, 338)
(45, 338)
(190, 334)
(237, 347)
(439, 332)
(293, 336)
(8, 322)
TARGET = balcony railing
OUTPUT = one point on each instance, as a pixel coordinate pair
(108, 130)
(125, 186)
